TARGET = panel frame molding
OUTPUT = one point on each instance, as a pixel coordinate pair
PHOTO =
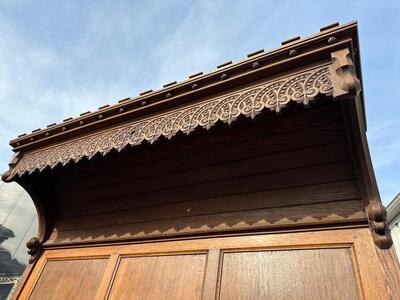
(365, 262)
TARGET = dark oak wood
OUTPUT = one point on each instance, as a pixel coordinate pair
(217, 182)
(259, 185)
(325, 213)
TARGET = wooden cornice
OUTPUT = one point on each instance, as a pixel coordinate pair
(292, 54)
(297, 72)
(274, 95)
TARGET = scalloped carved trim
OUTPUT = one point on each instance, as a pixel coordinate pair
(274, 95)
(14, 161)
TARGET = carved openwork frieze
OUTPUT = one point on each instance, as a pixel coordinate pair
(336, 79)
(274, 95)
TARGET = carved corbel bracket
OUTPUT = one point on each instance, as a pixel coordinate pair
(14, 161)
(343, 75)
(378, 224)
(34, 249)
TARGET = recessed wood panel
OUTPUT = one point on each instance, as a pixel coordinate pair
(288, 274)
(326, 264)
(69, 279)
(160, 277)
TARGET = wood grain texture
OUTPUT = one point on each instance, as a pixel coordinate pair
(290, 196)
(391, 271)
(270, 132)
(159, 277)
(273, 208)
(175, 180)
(313, 259)
(255, 175)
(294, 274)
(274, 199)
(108, 276)
(69, 279)
(268, 137)
(313, 214)
(211, 274)
(230, 179)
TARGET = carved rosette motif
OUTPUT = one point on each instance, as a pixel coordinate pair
(301, 88)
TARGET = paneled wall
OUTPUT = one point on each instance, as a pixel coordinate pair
(330, 264)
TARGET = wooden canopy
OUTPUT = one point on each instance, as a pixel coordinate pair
(145, 182)
(300, 72)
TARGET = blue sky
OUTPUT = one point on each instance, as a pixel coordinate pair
(61, 58)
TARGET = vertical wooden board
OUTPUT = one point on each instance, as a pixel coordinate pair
(211, 274)
(160, 277)
(69, 279)
(369, 267)
(106, 280)
(288, 274)
(390, 271)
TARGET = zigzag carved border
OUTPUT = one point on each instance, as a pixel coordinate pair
(273, 95)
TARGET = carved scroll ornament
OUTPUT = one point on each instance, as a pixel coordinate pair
(301, 88)
(377, 219)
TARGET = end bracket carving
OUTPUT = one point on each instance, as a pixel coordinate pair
(378, 224)
(14, 161)
(35, 249)
(343, 75)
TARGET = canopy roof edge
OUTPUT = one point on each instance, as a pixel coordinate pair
(300, 71)
(292, 54)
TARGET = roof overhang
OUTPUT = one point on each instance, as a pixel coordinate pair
(299, 71)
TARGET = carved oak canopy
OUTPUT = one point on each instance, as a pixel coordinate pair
(299, 72)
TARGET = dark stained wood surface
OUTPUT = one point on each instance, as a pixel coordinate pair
(242, 169)
(271, 134)
(277, 171)
(273, 208)
(336, 212)
(270, 63)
